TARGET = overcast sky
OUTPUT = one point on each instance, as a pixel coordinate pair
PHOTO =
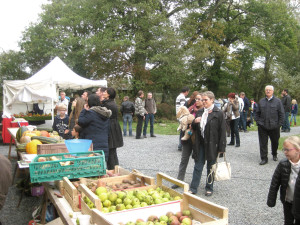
(15, 16)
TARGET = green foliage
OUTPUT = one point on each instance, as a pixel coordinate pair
(165, 111)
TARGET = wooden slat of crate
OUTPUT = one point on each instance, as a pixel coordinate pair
(60, 186)
(202, 205)
(71, 194)
(51, 148)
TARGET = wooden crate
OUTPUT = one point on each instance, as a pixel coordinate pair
(207, 213)
(85, 191)
(71, 194)
(51, 148)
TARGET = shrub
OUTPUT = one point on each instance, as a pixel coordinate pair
(165, 111)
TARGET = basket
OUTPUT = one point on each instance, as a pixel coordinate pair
(80, 166)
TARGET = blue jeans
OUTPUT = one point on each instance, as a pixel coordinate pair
(149, 116)
(287, 121)
(293, 116)
(243, 118)
(127, 118)
(198, 168)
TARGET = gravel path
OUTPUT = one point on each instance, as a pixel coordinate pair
(244, 195)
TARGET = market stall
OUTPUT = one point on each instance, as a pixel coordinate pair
(42, 88)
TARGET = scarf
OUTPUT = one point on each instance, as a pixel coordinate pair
(204, 119)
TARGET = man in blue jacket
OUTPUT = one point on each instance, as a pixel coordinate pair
(269, 117)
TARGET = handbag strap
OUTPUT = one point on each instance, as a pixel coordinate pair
(224, 156)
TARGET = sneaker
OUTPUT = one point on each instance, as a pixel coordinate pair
(152, 135)
(144, 136)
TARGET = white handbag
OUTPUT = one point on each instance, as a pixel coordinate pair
(220, 170)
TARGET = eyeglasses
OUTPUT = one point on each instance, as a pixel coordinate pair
(198, 99)
(287, 150)
(205, 100)
(268, 90)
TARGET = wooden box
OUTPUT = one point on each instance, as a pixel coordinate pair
(203, 211)
(51, 148)
(71, 194)
(85, 191)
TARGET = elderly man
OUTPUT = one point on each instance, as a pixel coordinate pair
(269, 117)
(62, 100)
(150, 107)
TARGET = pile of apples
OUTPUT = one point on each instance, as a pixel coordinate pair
(112, 201)
(179, 218)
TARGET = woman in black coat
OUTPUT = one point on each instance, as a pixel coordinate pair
(286, 176)
(210, 139)
(115, 138)
(94, 122)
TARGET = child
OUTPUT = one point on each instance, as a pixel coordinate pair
(61, 121)
(286, 176)
(294, 112)
(76, 131)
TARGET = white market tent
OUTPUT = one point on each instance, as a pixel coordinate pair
(43, 87)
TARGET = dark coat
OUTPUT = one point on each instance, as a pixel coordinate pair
(115, 138)
(281, 179)
(247, 104)
(127, 107)
(286, 102)
(214, 134)
(294, 109)
(60, 125)
(269, 114)
(96, 128)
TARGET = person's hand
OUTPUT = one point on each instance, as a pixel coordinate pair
(67, 131)
(86, 107)
(143, 117)
(198, 119)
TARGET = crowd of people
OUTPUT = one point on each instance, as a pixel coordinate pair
(204, 124)
(208, 139)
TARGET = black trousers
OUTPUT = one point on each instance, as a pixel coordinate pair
(263, 136)
(112, 159)
(139, 126)
(288, 215)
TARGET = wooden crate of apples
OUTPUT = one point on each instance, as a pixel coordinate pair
(187, 211)
(70, 189)
(110, 201)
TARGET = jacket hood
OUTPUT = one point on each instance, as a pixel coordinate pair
(103, 111)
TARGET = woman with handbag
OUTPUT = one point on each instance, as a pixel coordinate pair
(232, 112)
(210, 139)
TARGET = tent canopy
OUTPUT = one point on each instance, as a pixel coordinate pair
(43, 86)
(58, 73)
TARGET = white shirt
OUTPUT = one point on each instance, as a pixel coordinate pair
(295, 167)
(180, 101)
(241, 104)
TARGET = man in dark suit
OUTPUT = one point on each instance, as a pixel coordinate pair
(269, 117)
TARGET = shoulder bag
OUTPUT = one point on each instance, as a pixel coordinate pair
(220, 170)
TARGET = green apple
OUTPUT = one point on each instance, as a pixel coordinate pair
(112, 208)
(103, 197)
(177, 198)
(186, 212)
(158, 201)
(143, 204)
(112, 196)
(100, 190)
(135, 201)
(120, 207)
(105, 210)
(128, 206)
(136, 206)
(165, 199)
(167, 195)
(121, 194)
(127, 201)
(107, 203)
(186, 221)
(149, 200)
(118, 201)
(163, 218)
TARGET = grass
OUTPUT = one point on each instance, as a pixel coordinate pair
(164, 127)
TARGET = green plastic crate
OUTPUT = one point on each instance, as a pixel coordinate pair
(81, 166)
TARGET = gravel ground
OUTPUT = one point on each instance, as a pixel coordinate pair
(244, 195)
